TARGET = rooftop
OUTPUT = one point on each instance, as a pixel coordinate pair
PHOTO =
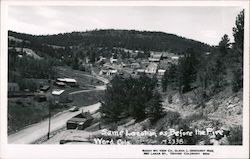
(57, 92)
(67, 80)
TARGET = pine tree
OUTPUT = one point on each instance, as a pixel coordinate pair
(187, 70)
(154, 108)
(238, 46)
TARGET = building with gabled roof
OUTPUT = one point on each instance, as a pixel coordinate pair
(60, 96)
(80, 121)
(155, 56)
(152, 68)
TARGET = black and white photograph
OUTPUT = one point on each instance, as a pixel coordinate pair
(105, 75)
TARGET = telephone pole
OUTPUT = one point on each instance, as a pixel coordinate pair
(50, 103)
(49, 122)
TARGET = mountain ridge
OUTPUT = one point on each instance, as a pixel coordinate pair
(131, 39)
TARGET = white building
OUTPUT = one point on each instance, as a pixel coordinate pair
(60, 96)
(152, 68)
(161, 72)
(68, 81)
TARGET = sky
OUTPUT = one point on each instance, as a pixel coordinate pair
(205, 24)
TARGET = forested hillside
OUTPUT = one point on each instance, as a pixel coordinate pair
(130, 39)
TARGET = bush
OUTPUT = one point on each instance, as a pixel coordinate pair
(170, 118)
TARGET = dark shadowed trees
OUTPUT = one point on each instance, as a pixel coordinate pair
(131, 97)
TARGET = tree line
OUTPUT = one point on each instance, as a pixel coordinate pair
(131, 97)
(22, 69)
(130, 39)
(210, 72)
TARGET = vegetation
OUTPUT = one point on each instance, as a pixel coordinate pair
(238, 47)
(131, 97)
(130, 39)
(210, 71)
(235, 137)
(23, 70)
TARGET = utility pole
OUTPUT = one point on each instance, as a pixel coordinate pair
(49, 122)
(50, 103)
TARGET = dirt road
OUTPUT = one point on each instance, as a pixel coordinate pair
(38, 130)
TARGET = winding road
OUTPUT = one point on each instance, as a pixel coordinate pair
(36, 131)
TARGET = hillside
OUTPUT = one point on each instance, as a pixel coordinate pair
(130, 39)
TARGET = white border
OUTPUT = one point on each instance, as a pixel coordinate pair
(114, 151)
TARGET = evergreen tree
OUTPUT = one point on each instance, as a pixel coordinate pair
(154, 107)
(187, 69)
(238, 46)
(224, 46)
(238, 33)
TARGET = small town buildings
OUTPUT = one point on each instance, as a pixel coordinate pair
(135, 65)
(155, 57)
(60, 84)
(111, 72)
(161, 72)
(133, 54)
(68, 81)
(175, 57)
(140, 71)
(144, 64)
(80, 121)
(57, 92)
(108, 71)
(60, 96)
(45, 88)
(13, 87)
(152, 68)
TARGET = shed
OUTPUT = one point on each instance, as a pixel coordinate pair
(71, 82)
(60, 96)
(45, 88)
(68, 81)
(80, 121)
(161, 72)
(60, 84)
